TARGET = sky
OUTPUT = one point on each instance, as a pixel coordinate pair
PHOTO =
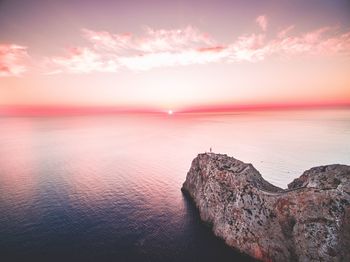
(179, 55)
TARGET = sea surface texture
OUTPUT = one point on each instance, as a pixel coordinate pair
(107, 188)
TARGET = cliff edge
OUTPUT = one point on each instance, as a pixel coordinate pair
(309, 221)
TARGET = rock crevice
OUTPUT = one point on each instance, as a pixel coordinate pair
(309, 221)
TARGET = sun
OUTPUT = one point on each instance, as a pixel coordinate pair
(170, 112)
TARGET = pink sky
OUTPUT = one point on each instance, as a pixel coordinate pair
(248, 56)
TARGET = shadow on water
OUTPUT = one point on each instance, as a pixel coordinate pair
(204, 239)
(193, 241)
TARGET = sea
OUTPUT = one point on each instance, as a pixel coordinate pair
(108, 187)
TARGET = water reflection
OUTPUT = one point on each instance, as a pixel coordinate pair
(108, 188)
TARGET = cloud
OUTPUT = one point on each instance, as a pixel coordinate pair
(155, 48)
(248, 48)
(103, 40)
(83, 60)
(262, 22)
(152, 41)
(166, 59)
(108, 52)
(285, 31)
(173, 40)
(325, 41)
(13, 60)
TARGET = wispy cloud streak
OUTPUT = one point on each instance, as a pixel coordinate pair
(262, 22)
(13, 60)
(85, 60)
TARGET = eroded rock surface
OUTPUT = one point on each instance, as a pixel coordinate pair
(309, 221)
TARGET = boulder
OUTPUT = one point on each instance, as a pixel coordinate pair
(309, 221)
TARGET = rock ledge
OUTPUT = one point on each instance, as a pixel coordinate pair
(309, 221)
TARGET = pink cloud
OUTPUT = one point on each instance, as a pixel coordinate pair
(13, 60)
(156, 48)
(152, 41)
(84, 60)
(212, 49)
(165, 59)
(108, 41)
(334, 45)
(173, 40)
(248, 48)
(324, 41)
(176, 47)
(109, 52)
(285, 31)
(262, 22)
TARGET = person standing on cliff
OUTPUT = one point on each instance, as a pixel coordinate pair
(210, 150)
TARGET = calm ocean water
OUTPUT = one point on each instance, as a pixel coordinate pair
(107, 188)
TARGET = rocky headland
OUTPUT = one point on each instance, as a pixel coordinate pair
(309, 221)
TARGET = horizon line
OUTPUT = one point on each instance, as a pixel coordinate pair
(61, 110)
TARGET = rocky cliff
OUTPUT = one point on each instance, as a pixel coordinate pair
(309, 221)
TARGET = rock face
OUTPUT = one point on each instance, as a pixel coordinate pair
(309, 221)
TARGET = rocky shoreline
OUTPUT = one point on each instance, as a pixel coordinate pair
(309, 221)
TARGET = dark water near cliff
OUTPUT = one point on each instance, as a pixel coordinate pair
(107, 188)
